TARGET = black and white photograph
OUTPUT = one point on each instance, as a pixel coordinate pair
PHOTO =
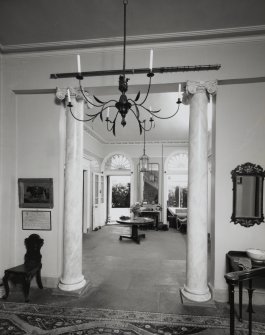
(132, 167)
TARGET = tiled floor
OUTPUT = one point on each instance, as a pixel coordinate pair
(127, 276)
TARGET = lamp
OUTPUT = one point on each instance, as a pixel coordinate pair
(144, 159)
(124, 105)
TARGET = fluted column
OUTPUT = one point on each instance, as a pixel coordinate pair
(72, 277)
(197, 95)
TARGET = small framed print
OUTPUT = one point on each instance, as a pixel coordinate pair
(35, 192)
(36, 220)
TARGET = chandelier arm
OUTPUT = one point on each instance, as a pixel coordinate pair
(113, 127)
(111, 100)
(136, 115)
(148, 129)
(144, 127)
(136, 112)
(140, 122)
(151, 112)
(82, 120)
(97, 114)
(166, 117)
(147, 93)
(86, 99)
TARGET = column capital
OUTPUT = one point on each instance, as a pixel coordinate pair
(61, 93)
(194, 87)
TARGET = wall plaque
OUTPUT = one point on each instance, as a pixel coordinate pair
(36, 220)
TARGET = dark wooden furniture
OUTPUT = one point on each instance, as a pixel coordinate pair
(177, 218)
(155, 215)
(25, 272)
(135, 224)
(241, 269)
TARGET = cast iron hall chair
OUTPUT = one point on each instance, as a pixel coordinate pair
(25, 272)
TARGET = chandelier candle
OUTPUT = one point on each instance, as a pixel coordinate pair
(151, 60)
(78, 64)
(68, 95)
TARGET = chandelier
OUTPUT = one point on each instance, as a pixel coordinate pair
(121, 107)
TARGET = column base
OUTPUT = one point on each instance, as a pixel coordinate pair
(196, 296)
(72, 286)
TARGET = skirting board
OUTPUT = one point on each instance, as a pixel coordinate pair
(221, 295)
(49, 282)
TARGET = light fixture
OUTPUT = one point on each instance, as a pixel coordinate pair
(144, 159)
(121, 107)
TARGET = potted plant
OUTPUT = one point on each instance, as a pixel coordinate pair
(135, 209)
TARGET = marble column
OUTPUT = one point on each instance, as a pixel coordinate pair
(197, 96)
(72, 277)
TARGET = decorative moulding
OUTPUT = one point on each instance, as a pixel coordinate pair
(192, 37)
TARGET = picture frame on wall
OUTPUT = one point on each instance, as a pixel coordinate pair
(35, 192)
(36, 220)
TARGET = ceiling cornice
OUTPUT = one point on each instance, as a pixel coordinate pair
(191, 36)
(94, 134)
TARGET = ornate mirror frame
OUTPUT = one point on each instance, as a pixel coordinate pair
(248, 169)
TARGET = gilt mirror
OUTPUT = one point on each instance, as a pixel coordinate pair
(149, 184)
(247, 194)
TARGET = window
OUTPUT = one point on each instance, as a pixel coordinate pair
(178, 162)
(118, 162)
(177, 180)
(177, 191)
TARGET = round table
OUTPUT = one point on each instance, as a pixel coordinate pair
(135, 224)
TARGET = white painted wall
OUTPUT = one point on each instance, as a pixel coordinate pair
(240, 138)
(40, 155)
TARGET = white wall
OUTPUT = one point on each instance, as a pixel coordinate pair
(40, 155)
(240, 138)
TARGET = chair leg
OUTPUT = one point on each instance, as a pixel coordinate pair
(232, 308)
(26, 288)
(6, 286)
(38, 279)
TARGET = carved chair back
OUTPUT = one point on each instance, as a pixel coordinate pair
(33, 245)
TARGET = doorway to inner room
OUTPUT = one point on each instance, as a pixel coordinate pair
(118, 197)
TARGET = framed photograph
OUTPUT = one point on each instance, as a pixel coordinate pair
(36, 220)
(35, 192)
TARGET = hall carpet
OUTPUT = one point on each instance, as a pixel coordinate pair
(21, 318)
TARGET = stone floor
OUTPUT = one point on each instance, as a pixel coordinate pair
(127, 276)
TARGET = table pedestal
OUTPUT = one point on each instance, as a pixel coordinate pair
(135, 236)
(135, 224)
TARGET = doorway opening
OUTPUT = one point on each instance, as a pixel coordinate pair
(119, 197)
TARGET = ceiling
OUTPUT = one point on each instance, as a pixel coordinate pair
(46, 21)
(32, 25)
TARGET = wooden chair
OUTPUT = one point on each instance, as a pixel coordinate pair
(25, 272)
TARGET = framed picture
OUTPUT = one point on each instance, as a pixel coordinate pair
(35, 192)
(36, 220)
